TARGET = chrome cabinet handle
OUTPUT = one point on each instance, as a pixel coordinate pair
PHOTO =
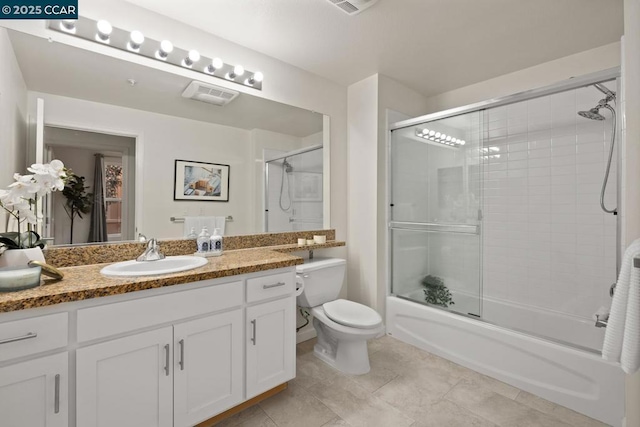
(166, 365)
(56, 399)
(21, 338)
(181, 363)
(275, 285)
(253, 331)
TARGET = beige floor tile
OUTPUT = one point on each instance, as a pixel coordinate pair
(296, 407)
(380, 343)
(497, 408)
(535, 402)
(337, 422)
(574, 418)
(250, 417)
(492, 384)
(446, 413)
(411, 396)
(377, 377)
(357, 406)
(311, 370)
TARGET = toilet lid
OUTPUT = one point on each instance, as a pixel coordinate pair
(349, 313)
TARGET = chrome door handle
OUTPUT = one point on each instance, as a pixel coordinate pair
(166, 364)
(56, 398)
(181, 363)
(275, 285)
(253, 331)
(21, 338)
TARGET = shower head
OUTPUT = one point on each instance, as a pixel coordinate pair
(287, 166)
(592, 114)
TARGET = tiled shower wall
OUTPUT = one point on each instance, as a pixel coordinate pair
(546, 243)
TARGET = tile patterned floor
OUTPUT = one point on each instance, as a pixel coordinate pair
(406, 387)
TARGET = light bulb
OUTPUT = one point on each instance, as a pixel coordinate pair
(68, 25)
(461, 142)
(257, 77)
(449, 138)
(425, 131)
(166, 47)
(192, 57)
(432, 132)
(453, 140)
(135, 40)
(216, 64)
(438, 134)
(238, 70)
(104, 30)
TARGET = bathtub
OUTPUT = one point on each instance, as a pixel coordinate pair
(578, 379)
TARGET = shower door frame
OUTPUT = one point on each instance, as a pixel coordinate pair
(565, 85)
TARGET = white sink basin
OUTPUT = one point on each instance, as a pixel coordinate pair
(171, 264)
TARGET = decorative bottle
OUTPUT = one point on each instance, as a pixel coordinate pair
(215, 244)
(203, 240)
(192, 234)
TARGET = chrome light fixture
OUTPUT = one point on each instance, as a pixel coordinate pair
(135, 42)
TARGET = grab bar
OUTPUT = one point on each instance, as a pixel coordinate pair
(435, 227)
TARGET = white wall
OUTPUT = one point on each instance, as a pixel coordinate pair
(161, 140)
(13, 117)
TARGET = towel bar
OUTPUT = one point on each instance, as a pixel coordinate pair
(180, 219)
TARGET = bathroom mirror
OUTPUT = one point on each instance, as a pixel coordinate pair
(254, 164)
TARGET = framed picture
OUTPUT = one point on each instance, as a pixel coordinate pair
(199, 181)
(307, 187)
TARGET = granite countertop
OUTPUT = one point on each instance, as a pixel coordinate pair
(85, 281)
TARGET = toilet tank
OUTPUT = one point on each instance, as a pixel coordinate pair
(323, 278)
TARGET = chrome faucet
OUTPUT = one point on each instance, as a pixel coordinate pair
(152, 253)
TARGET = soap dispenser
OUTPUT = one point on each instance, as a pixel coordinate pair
(215, 244)
(203, 240)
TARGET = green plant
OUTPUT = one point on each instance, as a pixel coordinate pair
(436, 292)
(78, 200)
(15, 240)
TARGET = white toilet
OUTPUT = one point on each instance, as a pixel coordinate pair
(343, 327)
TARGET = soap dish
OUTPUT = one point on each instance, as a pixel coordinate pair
(19, 278)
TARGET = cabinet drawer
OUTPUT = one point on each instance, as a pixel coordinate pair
(273, 285)
(113, 319)
(33, 335)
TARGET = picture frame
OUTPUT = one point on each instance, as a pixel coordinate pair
(307, 187)
(201, 181)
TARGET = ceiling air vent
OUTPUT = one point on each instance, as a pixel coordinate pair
(209, 93)
(353, 7)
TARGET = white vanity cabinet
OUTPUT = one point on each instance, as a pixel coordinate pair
(189, 362)
(208, 367)
(34, 393)
(126, 382)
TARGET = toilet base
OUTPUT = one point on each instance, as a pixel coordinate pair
(345, 349)
(351, 358)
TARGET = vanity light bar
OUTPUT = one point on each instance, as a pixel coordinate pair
(439, 137)
(104, 33)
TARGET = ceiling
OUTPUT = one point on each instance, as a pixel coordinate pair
(431, 46)
(78, 73)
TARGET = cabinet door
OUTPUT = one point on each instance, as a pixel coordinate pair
(208, 368)
(35, 393)
(271, 347)
(126, 382)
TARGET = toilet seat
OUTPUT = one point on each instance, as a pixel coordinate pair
(352, 314)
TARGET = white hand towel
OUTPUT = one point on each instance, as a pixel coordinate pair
(622, 338)
(197, 222)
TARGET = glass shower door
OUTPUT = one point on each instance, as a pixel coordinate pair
(435, 223)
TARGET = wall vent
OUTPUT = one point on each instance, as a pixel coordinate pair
(209, 93)
(353, 7)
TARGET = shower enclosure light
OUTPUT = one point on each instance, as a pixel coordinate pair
(192, 57)
(135, 41)
(68, 25)
(257, 77)
(216, 64)
(104, 31)
(166, 47)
